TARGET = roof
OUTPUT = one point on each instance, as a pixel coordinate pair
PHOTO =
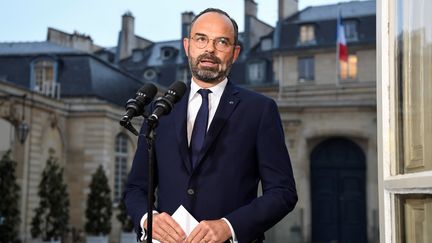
(326, 12)
(79, 74)
(24, 48)
(324, 20)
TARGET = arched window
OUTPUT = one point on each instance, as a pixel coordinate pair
(121, 158)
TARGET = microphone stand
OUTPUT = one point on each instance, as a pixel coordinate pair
(151, 138)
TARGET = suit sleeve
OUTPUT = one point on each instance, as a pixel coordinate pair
(136, 189)
(279, 192)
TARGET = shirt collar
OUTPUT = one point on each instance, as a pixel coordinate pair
(216, 90)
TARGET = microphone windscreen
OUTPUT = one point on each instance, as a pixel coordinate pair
(148, 89)
(177, 89)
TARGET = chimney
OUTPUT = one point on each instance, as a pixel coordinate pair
(127, 36)
(287, 8)
(251, 8)
(186, 22)
(250, 11)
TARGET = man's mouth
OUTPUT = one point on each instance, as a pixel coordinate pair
(206, 62)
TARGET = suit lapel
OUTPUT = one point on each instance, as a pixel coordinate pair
(227, 105)
(180, 124)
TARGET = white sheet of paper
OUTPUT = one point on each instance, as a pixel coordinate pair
(186, 221)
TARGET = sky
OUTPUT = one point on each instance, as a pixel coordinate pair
(156, 20)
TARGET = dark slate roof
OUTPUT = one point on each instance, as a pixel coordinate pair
(79, 74)
(351, 9)
(151, 58)
(24, 48)
(324, 19)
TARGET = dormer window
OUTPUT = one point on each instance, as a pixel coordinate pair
(166, 53)
(256, 72)
(150, 74)
(350, 30)
(307, 34)
(44, 77)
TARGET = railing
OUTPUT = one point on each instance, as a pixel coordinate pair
(49, 88)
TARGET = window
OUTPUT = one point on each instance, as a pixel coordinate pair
(350, 30)
(44, 73)
(348, 70)
(404, 89)
(306, 69)
(256, 72)
(167, 53)
(307, 35)
(121, 158)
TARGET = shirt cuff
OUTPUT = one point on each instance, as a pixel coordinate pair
(143, 231)
(233, 237)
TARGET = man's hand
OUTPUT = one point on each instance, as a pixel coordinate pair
(213, 231)
(166, 229)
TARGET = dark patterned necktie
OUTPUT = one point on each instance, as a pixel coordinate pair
(200, 127)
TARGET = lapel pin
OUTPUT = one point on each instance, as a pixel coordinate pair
(231, 102)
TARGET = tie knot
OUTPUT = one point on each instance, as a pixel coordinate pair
(204, 93)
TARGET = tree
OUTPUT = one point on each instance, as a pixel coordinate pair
(9, 213)
(52, 215)
(123, 217)
(99, 211)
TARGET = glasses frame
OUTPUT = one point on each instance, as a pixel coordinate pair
(214, 40)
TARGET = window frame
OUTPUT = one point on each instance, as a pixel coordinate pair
(305, 78)
(120, 157)
(391, 183)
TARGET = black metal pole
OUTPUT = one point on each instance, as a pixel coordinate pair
(151, 136)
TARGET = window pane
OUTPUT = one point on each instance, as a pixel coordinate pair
(416, 216)
(414, 50)
(121, 159)
(306, 69)
(307, 34)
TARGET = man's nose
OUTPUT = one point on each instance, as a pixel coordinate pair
(210, 46)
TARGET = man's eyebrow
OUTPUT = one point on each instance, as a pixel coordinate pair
(224, 37)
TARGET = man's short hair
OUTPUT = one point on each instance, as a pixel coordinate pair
(216, 10)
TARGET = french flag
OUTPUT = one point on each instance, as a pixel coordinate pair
(341, 41)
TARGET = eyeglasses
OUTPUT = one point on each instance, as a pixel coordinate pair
(220, 43)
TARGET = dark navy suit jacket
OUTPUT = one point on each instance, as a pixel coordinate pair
(245, 144)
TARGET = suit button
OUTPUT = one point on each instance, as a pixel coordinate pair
(190, 191)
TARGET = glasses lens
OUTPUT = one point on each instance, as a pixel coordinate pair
(201, 41)
(221, 44)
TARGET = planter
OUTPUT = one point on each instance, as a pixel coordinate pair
(97, 239)
(128, 237)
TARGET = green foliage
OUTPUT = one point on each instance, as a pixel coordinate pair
(99, 211)
(123, 217)
(52, 215)
(9, 213)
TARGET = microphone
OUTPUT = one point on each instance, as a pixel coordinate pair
(163, 105)
(135, 107)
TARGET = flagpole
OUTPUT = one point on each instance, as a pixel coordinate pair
(337, 49)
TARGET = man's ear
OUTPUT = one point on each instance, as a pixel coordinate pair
(237, 49)
(186, 45)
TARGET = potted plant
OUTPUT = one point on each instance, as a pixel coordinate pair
(50, 222)
(127, 234)
(99, 211)
(9, 191)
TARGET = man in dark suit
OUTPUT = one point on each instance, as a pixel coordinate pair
(213, 149)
